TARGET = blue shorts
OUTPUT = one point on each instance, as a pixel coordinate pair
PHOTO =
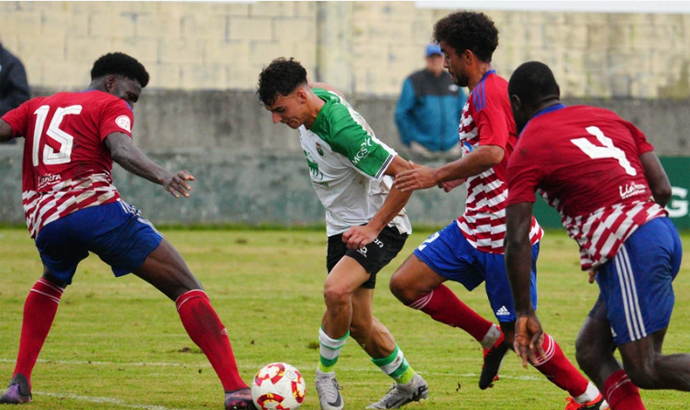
(636, 285)
(115, 232)
(449, 254)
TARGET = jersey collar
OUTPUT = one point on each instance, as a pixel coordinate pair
(543, 111)
(548, 109)
(486, 74)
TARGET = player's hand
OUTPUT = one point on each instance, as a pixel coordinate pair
(449, 185)
(176, 183)
(592, 275)
(421, 177)
(359, 236)
(529, 338)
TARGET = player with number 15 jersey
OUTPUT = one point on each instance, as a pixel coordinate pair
(67, 166)
(72, 209)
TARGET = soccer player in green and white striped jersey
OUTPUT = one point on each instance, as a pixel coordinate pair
(351, 172)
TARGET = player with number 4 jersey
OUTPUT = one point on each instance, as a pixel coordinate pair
(470, 249)
(72, 209)
(603, 177)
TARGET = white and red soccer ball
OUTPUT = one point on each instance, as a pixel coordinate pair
(278, 386)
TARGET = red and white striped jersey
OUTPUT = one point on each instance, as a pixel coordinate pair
(585, 163)
(66, 165)
(487, 119)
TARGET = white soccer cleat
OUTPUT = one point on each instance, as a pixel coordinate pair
(329, 391)
(401, 394)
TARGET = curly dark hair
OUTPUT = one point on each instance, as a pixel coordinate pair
(532, 82)
(282, 77)
(468, 30)
(120, 64)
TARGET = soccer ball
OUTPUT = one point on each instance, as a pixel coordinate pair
(278, 386)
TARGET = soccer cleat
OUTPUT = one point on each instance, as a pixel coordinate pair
(493, 359)
(597, 404)
(17, 392)
(401, 394)
(239, 400)
(329, 391)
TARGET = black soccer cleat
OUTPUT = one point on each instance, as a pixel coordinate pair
(493, 359)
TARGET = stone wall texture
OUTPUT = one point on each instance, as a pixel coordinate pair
(361, 47)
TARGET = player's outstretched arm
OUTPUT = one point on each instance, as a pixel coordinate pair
(656, 177)
(518, 258)
(5, 131)
(478, 161)
(129, 157)
(360, 236)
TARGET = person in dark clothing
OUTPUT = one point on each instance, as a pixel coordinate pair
(429, 108)
(14, 88)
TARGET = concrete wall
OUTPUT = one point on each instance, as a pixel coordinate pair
(361, 47)
(250, 170)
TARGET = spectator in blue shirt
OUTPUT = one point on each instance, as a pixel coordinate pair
(428, 111)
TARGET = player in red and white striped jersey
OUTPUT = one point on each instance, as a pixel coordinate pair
(72, 208)
(470, 250)
(602, 175)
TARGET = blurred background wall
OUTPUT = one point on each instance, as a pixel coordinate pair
(200, 112)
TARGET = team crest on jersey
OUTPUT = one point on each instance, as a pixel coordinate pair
(123, 122)
(319, 149)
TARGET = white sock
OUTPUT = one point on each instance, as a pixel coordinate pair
(491, 337)
(590, 394)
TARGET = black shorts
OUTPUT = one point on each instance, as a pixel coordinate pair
(372, 257)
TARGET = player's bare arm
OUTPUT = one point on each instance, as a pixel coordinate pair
(129, 157)
(5, 131)
(476, 162)
(359, 236)
(529, 335)
(656, 177)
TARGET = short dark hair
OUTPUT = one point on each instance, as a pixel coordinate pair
(120, 64)
(282, 77)
(468, 30)
(532, 82)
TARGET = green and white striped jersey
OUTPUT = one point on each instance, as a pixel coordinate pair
(347, 164)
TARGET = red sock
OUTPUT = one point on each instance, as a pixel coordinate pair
(621, 393)
(558, 369)
(39, 311)
(442, 305)
(206, 330)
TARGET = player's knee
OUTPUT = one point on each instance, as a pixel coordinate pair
(336, 294)
(643, 375)
(586, 356)
(405, 294)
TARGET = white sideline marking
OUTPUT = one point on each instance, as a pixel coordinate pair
(256, 366)
(102, 400)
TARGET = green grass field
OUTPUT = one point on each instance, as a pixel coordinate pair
(119, 344)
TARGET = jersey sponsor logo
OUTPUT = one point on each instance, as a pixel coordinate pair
(49, 179)
(123, 122)
(632, 189)
(363, 151)
(502, 311)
